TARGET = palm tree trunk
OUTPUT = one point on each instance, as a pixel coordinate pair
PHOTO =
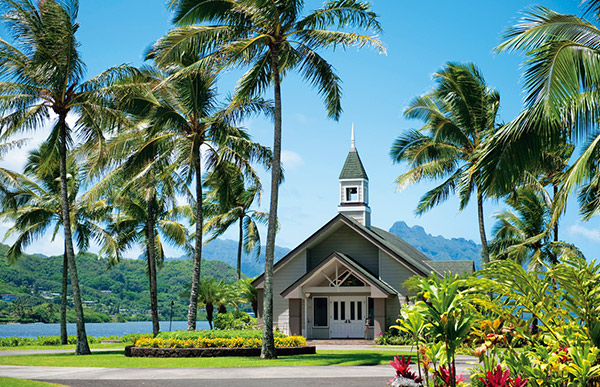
(555, 190)
(268, 342)
(485, 253)
(209, 314)
(239, 252)
(83, 347)
(63, 300)
(151, 255)
(193, 309)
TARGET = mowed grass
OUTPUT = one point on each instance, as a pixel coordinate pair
(118, 360)
(69, 346)
(12, 382)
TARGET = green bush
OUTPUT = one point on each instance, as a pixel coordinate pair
(234, 320)
(71, 339)
(214, 334)
(394, 337)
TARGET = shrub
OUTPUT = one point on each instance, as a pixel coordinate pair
(224, 334)
(234, 320)
(394, 337)
(217, 342)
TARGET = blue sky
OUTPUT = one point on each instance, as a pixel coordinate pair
(420, 36)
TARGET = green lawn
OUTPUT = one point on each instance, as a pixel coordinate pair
(26, 383)
(69, 346)
(118, 360)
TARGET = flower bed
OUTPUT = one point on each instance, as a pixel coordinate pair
(217, 342)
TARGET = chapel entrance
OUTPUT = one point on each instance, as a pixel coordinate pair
(347, 317)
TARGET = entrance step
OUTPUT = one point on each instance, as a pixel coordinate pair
(349, 342)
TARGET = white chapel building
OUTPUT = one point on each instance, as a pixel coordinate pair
(348, 273)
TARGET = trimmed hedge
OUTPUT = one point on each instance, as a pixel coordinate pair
(55, 340)
(216, 333)
(204, 342)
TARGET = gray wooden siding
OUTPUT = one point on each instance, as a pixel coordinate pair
(394, 274)
(283, 278)
(346, 241)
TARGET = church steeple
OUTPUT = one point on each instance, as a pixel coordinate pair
(354, 187)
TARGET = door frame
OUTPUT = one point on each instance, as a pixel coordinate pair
(347, 299)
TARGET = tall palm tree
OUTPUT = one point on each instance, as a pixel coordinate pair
(230, 202)
(42, 82)
(523, 235)
(458, 116)
(186, 127)
(39, 209)
(146, 214)
(272, 37)
(561, 81)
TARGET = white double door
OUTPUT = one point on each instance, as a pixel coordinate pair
(347, 319)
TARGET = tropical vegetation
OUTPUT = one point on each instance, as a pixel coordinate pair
(272, 38)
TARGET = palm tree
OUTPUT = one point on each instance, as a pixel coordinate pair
(212, 292)
(184, 127)
(146, 214)
(524, 235)
(561, 78)
(458, 116)
(272, 38)
(42, 82)
(248, 293)
(39, 209)
(230, 202)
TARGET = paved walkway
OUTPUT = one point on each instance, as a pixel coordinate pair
(248, 376)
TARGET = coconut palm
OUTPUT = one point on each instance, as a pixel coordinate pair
(230, 202)
(272, 37)
(523, 235)
(561, 78)
(186, 127)
(146, 214)
(458, 116)
(41, 83)
(39, 209)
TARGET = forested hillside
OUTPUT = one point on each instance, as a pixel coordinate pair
(120, 291)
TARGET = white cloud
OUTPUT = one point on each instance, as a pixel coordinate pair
(291, 160)
(590, 234)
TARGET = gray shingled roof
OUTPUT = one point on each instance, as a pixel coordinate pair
(353, 168)
(453, 267)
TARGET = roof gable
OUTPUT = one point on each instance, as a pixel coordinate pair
(393, 245)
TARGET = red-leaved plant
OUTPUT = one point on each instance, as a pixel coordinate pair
(445, 374)
(500, 378)
(402, 367)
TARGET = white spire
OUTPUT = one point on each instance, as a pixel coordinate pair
(352, 147)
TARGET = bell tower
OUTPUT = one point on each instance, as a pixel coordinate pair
(354, 188)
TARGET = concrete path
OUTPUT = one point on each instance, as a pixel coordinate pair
(354, 376)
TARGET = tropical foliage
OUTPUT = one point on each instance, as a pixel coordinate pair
(272, 38)
(459, 115)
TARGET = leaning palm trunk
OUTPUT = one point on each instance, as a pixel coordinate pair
(268, 342)
(485, 253)
(193, 309)
(63, 300)
(82, 347)
(239, 251)
(151, 255)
